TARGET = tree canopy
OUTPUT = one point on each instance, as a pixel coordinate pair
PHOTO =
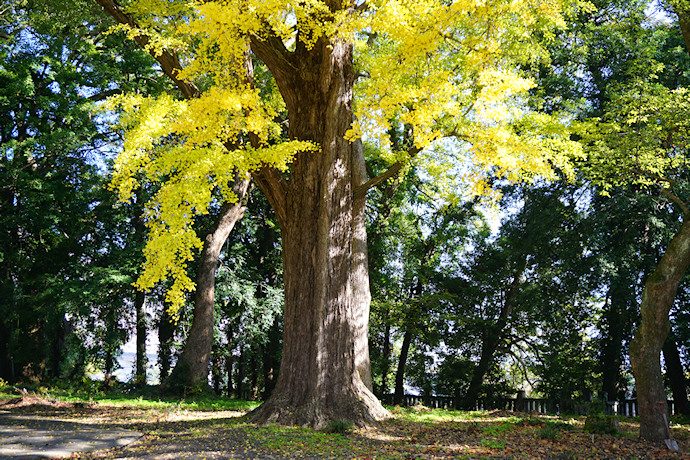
(458, 71)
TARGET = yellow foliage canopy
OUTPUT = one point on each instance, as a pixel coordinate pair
(445, 68)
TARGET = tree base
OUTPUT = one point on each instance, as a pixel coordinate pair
(360, 408)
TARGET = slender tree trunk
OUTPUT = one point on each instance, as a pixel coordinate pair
(166, 330)
(612, 343)
(386, 354)
(230, 390)
(58, 347)
(324, 372)
(657, 299)
(492, 338)
(254, 377)
(108, 368)
(192, 366)
(675, 375)
(229, 359)
(239, 384)
(139, 296)
(216, 368)
(140, 308)
(400, 373)
(271, 362)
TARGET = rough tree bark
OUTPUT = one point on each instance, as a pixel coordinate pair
(324, 373)
(657, 299)
(191, 369)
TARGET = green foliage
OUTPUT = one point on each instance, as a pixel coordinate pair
(249, 299)
(497, 444)
(339, 427)
(498, 429)
(64, 276)
(549, 431)
(602, 424)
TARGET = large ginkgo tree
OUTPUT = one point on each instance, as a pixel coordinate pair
(286, 91)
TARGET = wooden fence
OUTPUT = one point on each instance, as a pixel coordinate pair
(626, 408)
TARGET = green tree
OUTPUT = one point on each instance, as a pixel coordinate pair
(51, 183)
(251, 302)
(642, 141)
(309, 49)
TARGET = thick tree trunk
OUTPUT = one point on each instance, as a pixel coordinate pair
(675, 375)
(140, 307)
(489, 346)
(400, 373)
(657, 299)
(191, 369)
(324, 373)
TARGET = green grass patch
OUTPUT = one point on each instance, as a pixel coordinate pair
(139, 399)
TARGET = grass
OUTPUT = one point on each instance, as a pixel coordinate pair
(201, 424)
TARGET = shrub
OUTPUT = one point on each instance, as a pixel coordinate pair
(549, 431)
(339, 426)
(602, 424)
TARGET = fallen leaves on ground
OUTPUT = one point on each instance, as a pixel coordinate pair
(411, 434)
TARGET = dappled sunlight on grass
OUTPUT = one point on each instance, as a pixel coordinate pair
(217, 425)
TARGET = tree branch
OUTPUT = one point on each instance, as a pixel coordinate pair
(362, 189)
(364, 6)
(168, 61)
(673, 197)
(275, 188)
(272, 51)
(666, 191)
(683, 13)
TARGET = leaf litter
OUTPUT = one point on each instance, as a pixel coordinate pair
(412, 433)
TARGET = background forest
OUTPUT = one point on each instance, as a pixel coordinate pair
(539, 291)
